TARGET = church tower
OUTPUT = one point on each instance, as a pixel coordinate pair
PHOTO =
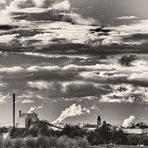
(98, 121)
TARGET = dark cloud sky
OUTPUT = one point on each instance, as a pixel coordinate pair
(54, 58)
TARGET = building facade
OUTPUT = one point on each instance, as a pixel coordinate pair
(26, 119)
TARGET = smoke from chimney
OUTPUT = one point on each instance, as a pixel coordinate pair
(128, 122)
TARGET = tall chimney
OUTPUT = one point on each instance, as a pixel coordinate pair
(20, 113)
(13, 110)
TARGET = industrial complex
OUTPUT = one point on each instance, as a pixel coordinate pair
(27, 120)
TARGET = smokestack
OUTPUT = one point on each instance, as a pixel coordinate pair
(20, 113)
(13, 110)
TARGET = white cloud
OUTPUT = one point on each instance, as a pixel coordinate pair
(11, 69)
(3, 2)
(38, 68)
(58, 5)
(129, 121)
(3, 98)
(142, 76)
(22, 5)
(55, 56)
(73, 110)
(2, 84)
(126, 93)
(65, 5)
(27, 101)
(124, 31)
(39, 84)
(31, 95)
(8, 38)
(126, 17)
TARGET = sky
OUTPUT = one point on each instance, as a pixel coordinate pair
(70, 61)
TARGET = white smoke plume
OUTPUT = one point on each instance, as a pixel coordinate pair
(33, 108)
(129, 121)
(72, 111)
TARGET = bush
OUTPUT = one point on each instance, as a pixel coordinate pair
(44, 142)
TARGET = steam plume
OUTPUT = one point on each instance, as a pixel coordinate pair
(33, 108)
(72, 111)
(128, 122)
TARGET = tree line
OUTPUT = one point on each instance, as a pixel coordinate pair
(105, 134)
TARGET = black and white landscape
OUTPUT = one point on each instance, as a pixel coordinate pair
(70, 61)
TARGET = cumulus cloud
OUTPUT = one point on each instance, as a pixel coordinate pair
(65, 5)
(72, 28)
(129, 121)
(73, 110)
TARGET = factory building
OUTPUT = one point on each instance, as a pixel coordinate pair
(26, 119)
(30, 120)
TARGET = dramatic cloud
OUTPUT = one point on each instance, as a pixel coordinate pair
(56, 27)
(126, 94)
(73, 110)
(129, 121)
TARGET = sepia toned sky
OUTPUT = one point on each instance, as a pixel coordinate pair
(62, 59)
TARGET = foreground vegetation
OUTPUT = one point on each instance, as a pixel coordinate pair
(69, 137)
(44, 142)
